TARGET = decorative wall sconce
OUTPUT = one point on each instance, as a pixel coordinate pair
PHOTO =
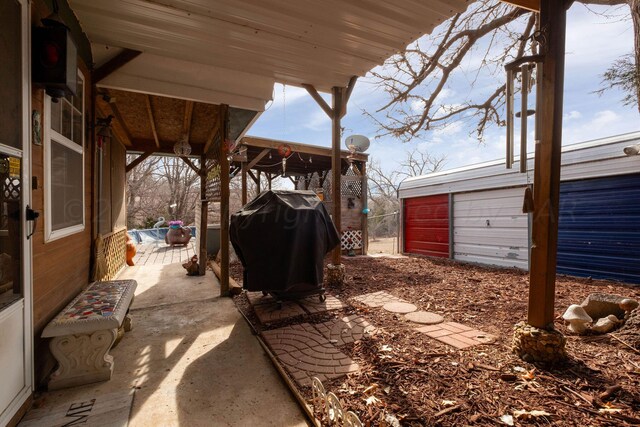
(54, 57)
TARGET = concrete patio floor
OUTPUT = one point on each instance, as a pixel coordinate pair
(190, 359)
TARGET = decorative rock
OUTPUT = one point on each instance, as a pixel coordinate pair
(601, 305)
(424, 317)
(605, 324)
(628, 304)
(538, 345)
(577, 318)
(399, 307)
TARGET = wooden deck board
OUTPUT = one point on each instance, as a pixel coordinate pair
(162, 254)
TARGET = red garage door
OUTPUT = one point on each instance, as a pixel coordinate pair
(426, 225)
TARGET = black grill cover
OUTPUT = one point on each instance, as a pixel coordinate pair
(281, 238)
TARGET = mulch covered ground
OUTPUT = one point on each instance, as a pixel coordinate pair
(408, 377)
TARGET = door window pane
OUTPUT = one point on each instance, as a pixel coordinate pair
(10, 230)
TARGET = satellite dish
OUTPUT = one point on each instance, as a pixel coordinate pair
(357, 143)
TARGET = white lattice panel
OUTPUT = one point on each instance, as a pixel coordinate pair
(351, 239)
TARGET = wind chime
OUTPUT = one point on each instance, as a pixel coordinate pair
(525, 67)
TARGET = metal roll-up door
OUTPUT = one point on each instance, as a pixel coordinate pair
(426, 225)
(599, 228)
(490, 228)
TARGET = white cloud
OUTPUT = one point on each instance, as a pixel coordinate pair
(449, 129)
(417, 105)
(605, 118)
(317, 121)
(572, 115)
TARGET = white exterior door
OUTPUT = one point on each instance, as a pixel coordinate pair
(16, 357)
(490, 228)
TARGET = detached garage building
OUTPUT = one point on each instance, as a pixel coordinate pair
(474, 214)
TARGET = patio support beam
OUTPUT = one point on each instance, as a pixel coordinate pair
(336, 167)
(546, 188)
(350, 86)
(224, 202)
(365, 218)
(258, 158)
(135, 162)
(114, 64)
(186, 124)
(532, 5)
(212, 136)
(204, 213)
(193, 167)
(258, 183)
(244, 183)
(152, 121)
(319, 99)
(339, 97)
(253, 177)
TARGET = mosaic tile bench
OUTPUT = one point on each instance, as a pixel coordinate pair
(85, 330)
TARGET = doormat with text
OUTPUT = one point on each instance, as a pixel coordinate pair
(108, 410)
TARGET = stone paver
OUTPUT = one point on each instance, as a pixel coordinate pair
(424, 317)
(377, 299)
(256, 298)
(345, 330)
(457, 335)
(305, 354)
(399, 307)
(313, 305)
(270, 312)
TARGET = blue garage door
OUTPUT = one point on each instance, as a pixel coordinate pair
(599, 228)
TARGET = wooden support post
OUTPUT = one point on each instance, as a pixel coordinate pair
(269, 178)
(244, 183)
(204, 215)
(258, 183)
(224, 203)
(546, 186)
(336, 166)
(365, 222)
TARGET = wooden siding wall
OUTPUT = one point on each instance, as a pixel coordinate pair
(61, 267)
(113, 215)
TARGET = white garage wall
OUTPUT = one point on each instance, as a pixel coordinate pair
(490, 228)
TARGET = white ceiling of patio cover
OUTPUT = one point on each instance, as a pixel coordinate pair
(249, 44)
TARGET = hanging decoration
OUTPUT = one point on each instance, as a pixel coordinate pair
(284, 150)
(182, 148)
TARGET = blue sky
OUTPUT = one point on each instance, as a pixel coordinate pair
(593, 43)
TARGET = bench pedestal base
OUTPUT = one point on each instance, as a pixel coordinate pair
(82, 358)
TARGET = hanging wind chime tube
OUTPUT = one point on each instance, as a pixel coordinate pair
(510, 130)
(524, 115)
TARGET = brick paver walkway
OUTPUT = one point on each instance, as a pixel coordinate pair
(345, 330)
(377, 299)
(305, 353)
(271, 312)
(456, 334)
(313, 305)
(256, 298)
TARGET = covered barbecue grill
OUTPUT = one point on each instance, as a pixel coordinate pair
(281, 238)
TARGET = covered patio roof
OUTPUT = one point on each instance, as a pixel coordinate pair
(264, 155)
(231, 52)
